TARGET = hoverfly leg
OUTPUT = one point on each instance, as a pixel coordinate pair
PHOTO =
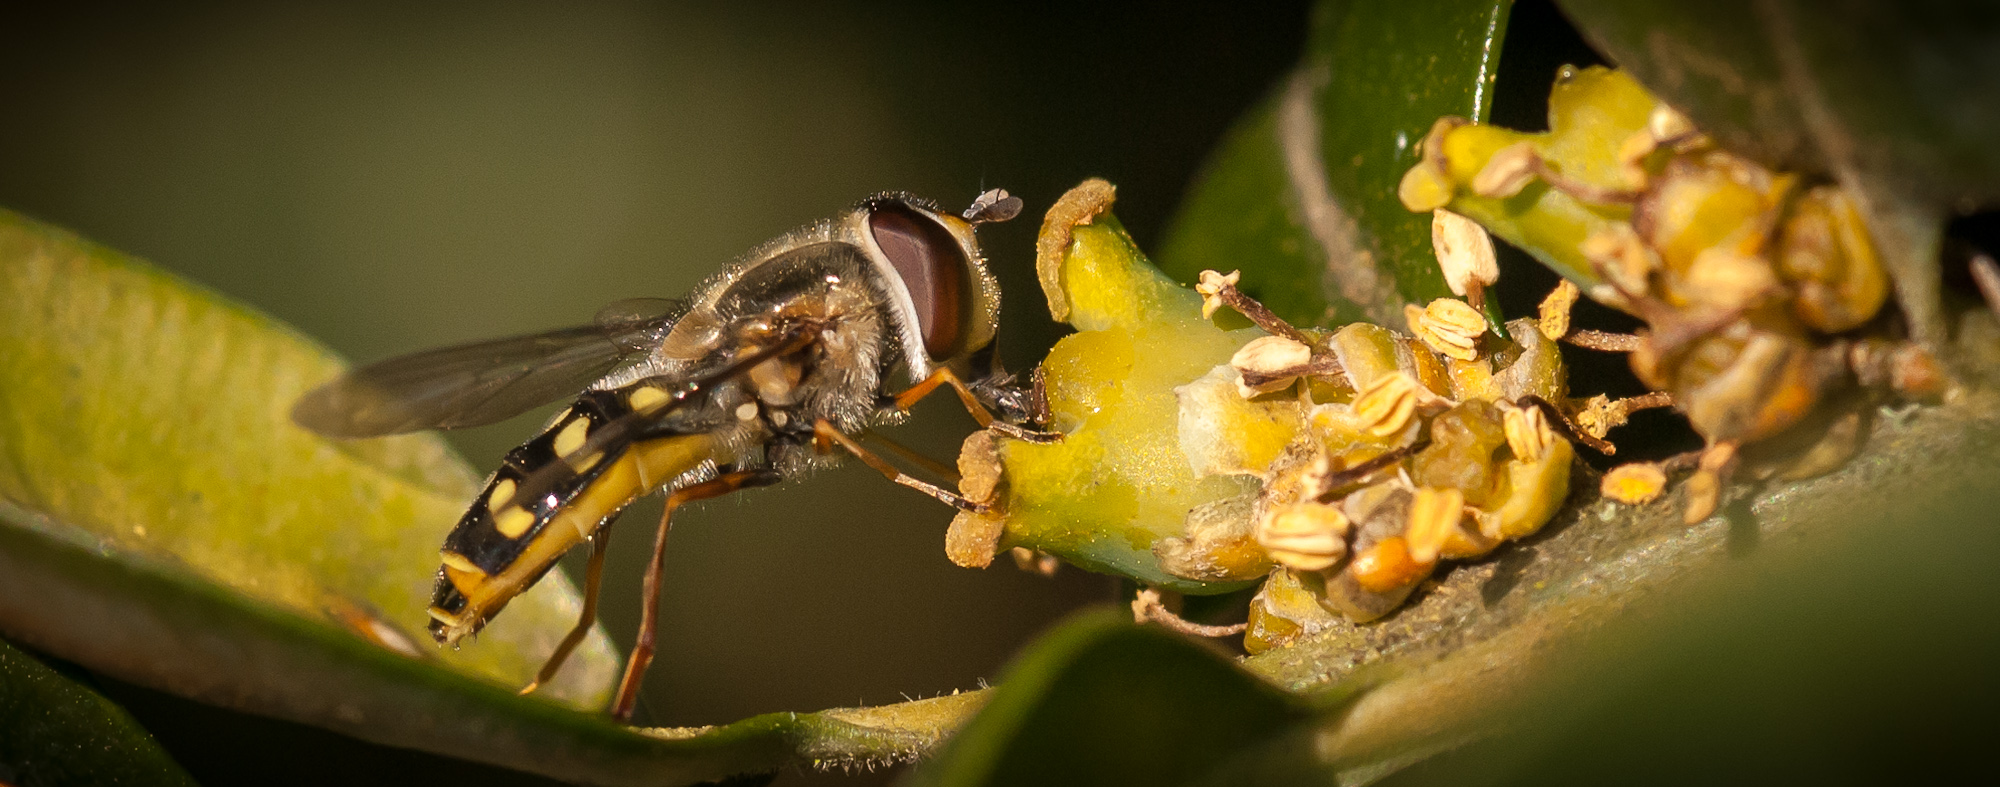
(916, 393)
(593, 578)
(825, 437)
(642, 650)
(911, 455)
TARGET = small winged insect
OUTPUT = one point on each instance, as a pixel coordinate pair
(772, 365)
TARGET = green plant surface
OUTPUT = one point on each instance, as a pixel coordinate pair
(1302, 194)
(1896, 103)
(1118, 481)
(1099, 700)
(1590, 113)
(163, 522)
(1520, 649)
(151, 416)
(60, 731)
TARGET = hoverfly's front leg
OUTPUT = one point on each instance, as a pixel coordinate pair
(916, 393)
(642, 651)
(825, 436)
(593, 578)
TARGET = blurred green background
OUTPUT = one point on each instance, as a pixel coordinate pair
(391, 178)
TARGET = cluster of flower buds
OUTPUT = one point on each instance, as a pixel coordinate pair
(1760, 290)
(1409, 449)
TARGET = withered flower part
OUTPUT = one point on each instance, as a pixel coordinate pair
(1218, 290)
(1604, 341)
(1669, 127)
(1434, 514)
(1634, 484)
(1622, 258)
(1599, 414)
(1556, 307)
(1665, 128)
(1034, 562)
(1148, 607)
(1528, 432)
(1385, 406)
(1304, 536)
(1704, 488)
(1632, 155)
(1986, 274)
(1340, 479)
(1560, 421)
(1269, 363)
(974, 536)
(1509, 170)
(1210, 288)
(1448, 326)
(1427, 186)
(1465, 254)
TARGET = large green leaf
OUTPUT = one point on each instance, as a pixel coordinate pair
(1099, 700)
(59, 731)
(1302, 195)
(150, 416)
(1898, 102)
(162, 521)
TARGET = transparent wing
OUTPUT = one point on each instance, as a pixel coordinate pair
(638, 324)
(621, 432)
(483, 382)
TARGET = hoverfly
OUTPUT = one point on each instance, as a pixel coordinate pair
(756, 378)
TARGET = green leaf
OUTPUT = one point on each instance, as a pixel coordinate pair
(1896, 103)
(150, 417)
(59, 731)
(163, 522)
(1302, 195)
(1102, 701)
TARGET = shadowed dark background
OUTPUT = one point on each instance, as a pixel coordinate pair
(390, 179)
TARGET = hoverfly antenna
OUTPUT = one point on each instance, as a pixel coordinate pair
(993, 206)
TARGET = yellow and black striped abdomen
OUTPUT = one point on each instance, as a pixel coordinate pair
(551, 494)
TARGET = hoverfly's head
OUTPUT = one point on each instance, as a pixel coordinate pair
(945, 302)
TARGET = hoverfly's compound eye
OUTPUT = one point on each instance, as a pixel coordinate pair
(933, 267)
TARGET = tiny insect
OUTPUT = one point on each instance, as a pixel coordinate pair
(772, 364)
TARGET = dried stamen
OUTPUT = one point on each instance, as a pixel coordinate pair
(1146, 607)
(1218, 290)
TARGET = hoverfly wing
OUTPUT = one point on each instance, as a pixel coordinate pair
(630, 416)
(637, 324)
(482, 382)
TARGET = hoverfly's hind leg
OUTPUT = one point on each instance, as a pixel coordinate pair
(642, 651)
(916, 393)
(593, 578)
(825, 437)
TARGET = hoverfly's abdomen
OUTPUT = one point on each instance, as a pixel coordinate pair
(550, 494)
